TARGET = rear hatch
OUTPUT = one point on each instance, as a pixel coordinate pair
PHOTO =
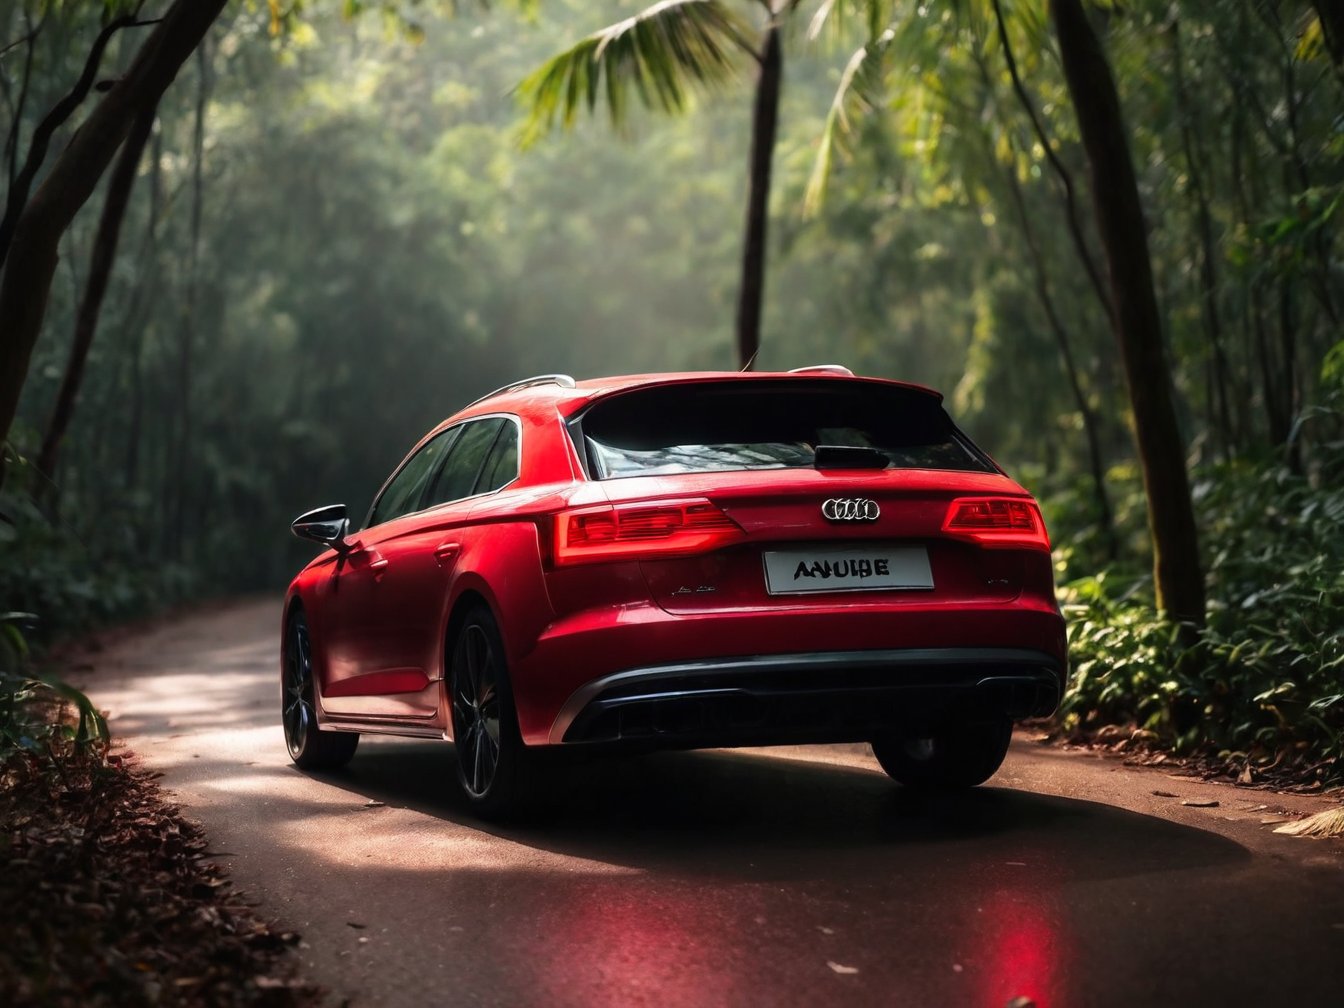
(816, 492)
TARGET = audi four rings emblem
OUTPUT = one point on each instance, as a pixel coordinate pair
(850, 509)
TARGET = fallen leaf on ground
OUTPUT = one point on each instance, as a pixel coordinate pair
(1165, 794)
(842, 970)
(1200, 804)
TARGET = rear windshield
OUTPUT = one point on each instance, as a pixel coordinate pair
(720, 426)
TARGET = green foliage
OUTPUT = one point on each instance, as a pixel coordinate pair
(1266, 674)
(76, 583)
(657, 52)
(32, 705)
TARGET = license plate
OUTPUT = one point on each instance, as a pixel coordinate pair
(801, 571)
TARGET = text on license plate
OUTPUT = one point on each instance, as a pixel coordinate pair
(828, 570)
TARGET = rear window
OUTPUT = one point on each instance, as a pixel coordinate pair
(721, 426)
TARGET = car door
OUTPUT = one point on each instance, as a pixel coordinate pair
(359, 644)
(416, 553)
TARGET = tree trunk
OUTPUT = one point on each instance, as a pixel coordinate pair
(46, 130)
(33, 252)
(1062, 173)
(1331, 15)
(1096, 464)
(1091, 426)
(90, 306)
(1135, 319)
(137, 356)
(765, 115)
(1220, 372)
(182, 470)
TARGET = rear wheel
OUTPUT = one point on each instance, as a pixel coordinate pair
(960, 756)
(494, 768)
(309, 747)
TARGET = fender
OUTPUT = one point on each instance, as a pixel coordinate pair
(501, 562)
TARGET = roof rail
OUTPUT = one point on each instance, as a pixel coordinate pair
(563, 380)
(835, 369)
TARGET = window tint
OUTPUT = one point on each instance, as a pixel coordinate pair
(402, 495)
(458, 476)
(768, 425)
(502, 465)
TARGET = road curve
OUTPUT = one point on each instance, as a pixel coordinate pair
(773, 877)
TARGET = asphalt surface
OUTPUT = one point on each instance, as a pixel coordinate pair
(771, 877)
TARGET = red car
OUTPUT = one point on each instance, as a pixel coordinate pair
(680, 561)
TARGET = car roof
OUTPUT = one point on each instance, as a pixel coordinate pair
(549, 394)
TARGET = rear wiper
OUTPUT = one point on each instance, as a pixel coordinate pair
(829, 456)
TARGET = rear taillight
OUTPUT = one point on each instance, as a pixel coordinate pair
(639, 531)
(997, 522)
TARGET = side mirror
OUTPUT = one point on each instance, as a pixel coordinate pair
(326, 525)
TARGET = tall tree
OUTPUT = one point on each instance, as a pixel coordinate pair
(1135, 319)
(33, 250)
(95, 287)
(660, 52)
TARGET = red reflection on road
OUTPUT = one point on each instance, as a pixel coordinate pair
(1023, 953)
(621, 945)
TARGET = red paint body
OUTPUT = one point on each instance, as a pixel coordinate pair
(381, 611)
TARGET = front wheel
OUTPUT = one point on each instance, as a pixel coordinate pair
(309, 747)
(956, 757)
(494, 768)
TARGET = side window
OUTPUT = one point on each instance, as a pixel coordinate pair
(458, 475)
(502, 465)
(402, 495)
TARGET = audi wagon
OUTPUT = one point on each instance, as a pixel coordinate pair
(680, 561)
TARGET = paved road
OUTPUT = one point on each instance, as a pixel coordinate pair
(770, 877)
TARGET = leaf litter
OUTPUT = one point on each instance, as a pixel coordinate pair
(110, 901)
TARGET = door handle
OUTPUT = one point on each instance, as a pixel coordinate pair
(446, 551)
(377, 563)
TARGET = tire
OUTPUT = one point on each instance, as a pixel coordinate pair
(956, 757)
(494, 769)
(309, 747)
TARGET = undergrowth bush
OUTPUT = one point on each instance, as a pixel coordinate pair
(32, 707)
(76, 577)
(1265, 677)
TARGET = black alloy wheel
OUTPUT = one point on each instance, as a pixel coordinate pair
(492, 762)
(309, 747)
(955, 757)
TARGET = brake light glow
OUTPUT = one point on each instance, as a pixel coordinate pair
(641, 531)
(997, 523)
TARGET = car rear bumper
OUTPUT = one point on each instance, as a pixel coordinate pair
(832, 651)
(816, 697)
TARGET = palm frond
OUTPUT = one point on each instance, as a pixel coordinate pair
(1329, 823)
(858, 85)
(659, 53)
(837, 14)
